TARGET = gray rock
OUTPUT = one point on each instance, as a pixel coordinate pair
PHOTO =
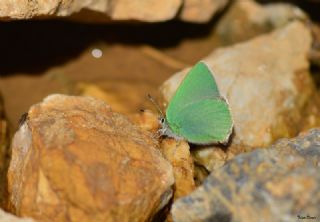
(281, 183)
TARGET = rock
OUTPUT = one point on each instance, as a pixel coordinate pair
(150, 11)
(280, 183)
(201, 11)
(212, 159)
(105, 10)
(144, 10)
(178, 154)
(76, 160)
(147, 120)
(247, 19)
(6, 217)
(267, 84)
(87, 89)
(122, 96)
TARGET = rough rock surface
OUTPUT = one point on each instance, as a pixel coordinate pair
(76, 160)
(178, 154)
(267, 84)
(281, 183)
(247, 19)
(99, 10)
(6, 217)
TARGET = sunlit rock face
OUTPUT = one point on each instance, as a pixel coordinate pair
(105, 10)
(74, 159)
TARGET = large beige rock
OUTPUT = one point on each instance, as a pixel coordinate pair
(146, 10)
(267, 84)
(102, 10)
(76, 160)
(247, 19)
(7, 217)
(201, 10)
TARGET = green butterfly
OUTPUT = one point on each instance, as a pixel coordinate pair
(197, 112)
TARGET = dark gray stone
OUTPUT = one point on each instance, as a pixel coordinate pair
(280, 183)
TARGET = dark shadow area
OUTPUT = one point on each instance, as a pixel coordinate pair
(33, 46)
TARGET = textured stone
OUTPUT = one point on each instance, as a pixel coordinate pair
(146, 10)
(267, 84)
(280, 183)
(76, 160)
(201, 10)
(7, 217)
(105, 10)
(178, 154)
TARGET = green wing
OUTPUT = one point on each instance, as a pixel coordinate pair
(203, 122)
(199, 84)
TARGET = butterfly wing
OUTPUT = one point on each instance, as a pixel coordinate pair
(204, 122)
(197, 85)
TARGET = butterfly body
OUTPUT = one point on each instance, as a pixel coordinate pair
(197, 112)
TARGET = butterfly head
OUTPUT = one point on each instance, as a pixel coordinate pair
(165, 129)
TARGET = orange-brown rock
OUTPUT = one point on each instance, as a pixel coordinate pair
(76, 160)
(147, 120)
(178, 154)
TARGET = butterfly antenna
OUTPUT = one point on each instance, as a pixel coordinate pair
(155, 104)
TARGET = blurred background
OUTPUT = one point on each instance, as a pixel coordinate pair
(122, 51)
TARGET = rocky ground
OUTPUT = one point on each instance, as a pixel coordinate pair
(79, 138)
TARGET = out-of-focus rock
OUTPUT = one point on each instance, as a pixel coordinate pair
(76, 160)
(7, 217)
(247, 19)
(105, 10)
(4, 153)
(122, 96)
(87, 89)
(178, 154)
(147, 120)
(267, 84)
(201, 10)
(212, 159)
(145, 10)
(277, 184)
